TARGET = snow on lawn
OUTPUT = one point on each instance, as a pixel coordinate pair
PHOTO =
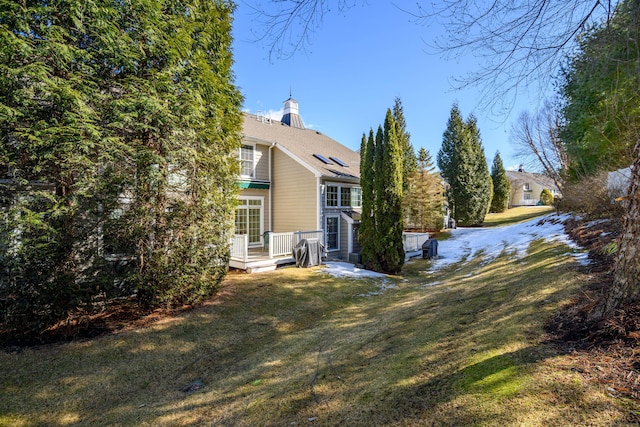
(466, 243)
(344, 269)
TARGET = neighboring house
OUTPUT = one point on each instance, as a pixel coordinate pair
(295, 179)
(618, 183)
(527, 186)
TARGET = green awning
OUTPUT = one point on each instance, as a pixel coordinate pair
(255, 185)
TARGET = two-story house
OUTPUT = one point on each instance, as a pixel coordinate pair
(527, 186)
(294, 183)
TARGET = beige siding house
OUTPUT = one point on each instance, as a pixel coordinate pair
(527, 186)
(295, 180)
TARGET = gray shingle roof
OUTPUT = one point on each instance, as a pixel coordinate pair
(304, 143)
(542, 180)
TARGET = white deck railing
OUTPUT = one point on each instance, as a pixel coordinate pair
(279, 244)
(240, 247)
(413, 241)
(282, 243)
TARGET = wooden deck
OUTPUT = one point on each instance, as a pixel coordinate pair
(258, 260)
(279, 252)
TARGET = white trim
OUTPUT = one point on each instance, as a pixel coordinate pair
(255, 161)
(326, 240)
(247, 198)
(273, 144)
(314, 171)
(350, 223)
(340, 186)
(319, 204)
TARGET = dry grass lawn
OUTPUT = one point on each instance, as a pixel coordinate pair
(298, 347)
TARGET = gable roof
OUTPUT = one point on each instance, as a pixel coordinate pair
(307, 145)
(540, 179)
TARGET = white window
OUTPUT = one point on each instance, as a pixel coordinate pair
(345, 196)
(337, 196)
(332, 231)
(332, 195)
(527, 187)
(247, 161)
(356, 197)
(527, 196)
(249, 219)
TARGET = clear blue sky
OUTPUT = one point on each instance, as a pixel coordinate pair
(357, 63)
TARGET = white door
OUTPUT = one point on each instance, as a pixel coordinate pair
(249, 219)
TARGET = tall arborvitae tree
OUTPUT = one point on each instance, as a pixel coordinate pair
(501, 185)
(409, 161)
(118, 120)
(367, 231)
(463, 165)
(424, 198)
(381, 226)
(373, 241)
(390, 177)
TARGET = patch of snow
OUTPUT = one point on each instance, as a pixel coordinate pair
(597, 222)
(344, 269)
(429, 285)
(466, 243)
(383, 287)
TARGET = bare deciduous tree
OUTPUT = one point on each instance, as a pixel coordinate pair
(519, 43)
(536, 136)
(286, 26)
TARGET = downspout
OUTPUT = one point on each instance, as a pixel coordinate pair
(273, 144)
(320, 224)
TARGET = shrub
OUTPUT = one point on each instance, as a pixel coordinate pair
(590, 196)
(546, 198)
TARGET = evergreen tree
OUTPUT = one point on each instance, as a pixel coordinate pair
(390, 177)
(179, 116)
(102, 104)
(424, 199)
(381, 177)
(501, 185)
(463, 165)
(51, 148)
(409, 161)
(481, 178)
(447, 158)
(600, 94)
(367, 231)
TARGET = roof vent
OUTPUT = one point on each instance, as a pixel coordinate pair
(262, 117)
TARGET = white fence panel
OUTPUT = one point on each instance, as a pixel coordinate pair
(413, 241)
(240, 247)
(282, 243)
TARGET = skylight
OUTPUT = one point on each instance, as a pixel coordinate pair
(323, 159)
(340, 162)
